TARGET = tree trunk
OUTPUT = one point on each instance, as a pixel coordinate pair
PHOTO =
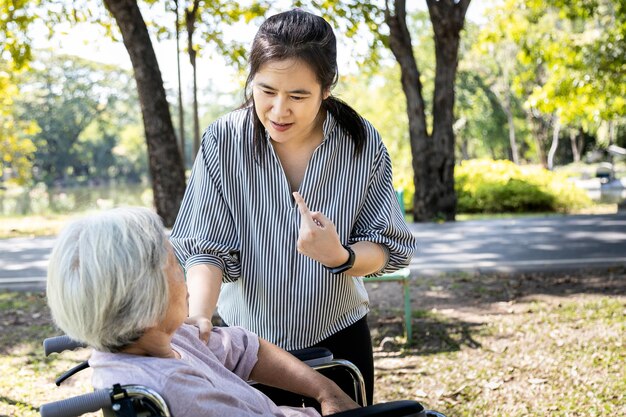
(556, 130)
(181, 110)
(448, 18)
(574, 143)
(512, 140)
(511, 121)
(508, 109)
(432, 155)
(400, 44)
(166, 169)
(191, 16)
(612, 138)
(539, 129)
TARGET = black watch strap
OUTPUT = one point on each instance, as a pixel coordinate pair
(346, 265)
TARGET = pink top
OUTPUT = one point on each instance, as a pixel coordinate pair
(206, 381)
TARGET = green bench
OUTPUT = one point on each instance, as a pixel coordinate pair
(404, 276)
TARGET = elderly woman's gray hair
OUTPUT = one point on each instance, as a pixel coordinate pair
(106, 283)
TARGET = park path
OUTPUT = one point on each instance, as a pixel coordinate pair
(548, 243)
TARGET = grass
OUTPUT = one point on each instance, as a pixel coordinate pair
(494, 345)
(511, 346)
(31, 226)
(27, 376)
(595, 209)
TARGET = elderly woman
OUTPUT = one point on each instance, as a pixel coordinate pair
(115, 284)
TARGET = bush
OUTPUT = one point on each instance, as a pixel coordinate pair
(488, 186)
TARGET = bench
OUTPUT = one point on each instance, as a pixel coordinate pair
(404, 276)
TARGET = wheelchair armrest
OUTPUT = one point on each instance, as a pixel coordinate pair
(74, 370)
(313, 356)
(404, 408)
(58, 344)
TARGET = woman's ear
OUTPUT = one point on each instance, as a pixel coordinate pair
(325, 94)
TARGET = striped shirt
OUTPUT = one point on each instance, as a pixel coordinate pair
(239, 215)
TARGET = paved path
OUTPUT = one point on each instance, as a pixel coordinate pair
(522, 244)
(512, 245)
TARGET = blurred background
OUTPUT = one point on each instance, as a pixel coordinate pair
(538, 100)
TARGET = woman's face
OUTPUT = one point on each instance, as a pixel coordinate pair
(287, 97)
(178, 306)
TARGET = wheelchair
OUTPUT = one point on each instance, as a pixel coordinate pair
(142, 401)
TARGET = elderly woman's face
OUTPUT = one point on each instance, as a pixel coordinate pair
(178, 307)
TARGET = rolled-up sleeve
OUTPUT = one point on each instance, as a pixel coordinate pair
(380, 219)
(204, 231)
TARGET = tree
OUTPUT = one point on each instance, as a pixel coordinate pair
(571, 62)
(16, 149)
(181, 111)
(215, 14)
(63, 96)
(81, 107)
(165, 161)
(433, 154)
(191, 15)
(168, 180)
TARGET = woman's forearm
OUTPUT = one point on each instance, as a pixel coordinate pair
(203, 283)
(369, 257)
(278, 368)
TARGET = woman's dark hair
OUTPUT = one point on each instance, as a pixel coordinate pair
(297, 34)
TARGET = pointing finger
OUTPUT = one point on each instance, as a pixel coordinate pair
(305, 214)
(304, 209)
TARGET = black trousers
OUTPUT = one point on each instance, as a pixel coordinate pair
(354, 344)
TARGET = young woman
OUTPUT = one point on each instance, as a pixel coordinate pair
(290, 202)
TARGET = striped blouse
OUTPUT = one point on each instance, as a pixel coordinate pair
(238, 214)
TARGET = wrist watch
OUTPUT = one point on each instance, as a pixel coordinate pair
(346, 265)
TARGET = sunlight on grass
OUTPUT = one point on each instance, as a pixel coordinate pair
(561, 357)
(31, 226)
(557, 359)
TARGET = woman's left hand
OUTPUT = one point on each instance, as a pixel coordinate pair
(336, 402)
(317, 237)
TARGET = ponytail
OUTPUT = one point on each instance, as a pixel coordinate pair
(348, 119)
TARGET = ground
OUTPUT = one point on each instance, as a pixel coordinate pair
(502, 345)
(484, 345)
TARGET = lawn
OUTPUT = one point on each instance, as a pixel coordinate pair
(484, 345)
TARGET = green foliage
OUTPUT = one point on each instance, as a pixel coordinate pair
(492, 186)
(571, 67)
(16, 148)
(15, 19)
(81, 108)
(208, 23)
(15, 52)
(376, 98)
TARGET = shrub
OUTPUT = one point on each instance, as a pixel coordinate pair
(488, 186)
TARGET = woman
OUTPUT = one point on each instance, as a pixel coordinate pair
(114, 283)
(290, 202)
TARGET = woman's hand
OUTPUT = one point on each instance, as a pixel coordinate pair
(203, 324)
(317, 237)
(336, 401)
